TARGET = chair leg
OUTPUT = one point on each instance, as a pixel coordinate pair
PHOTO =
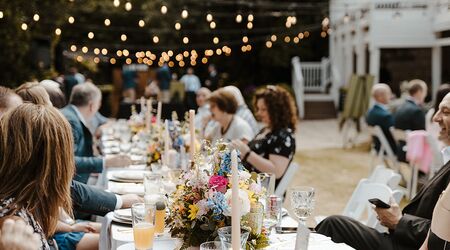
(414, 180)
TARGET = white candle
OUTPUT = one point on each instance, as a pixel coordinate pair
(192, 132)
(172, 158)
(142, 105)
(235, 204)
(166, 142)
(148, 117)
(158, 114)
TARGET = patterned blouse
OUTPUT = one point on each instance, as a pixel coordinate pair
(27, 217)
(280, 142)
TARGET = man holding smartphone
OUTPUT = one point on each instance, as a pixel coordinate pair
(408, 228)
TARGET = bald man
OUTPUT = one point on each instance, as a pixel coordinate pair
(380, 115)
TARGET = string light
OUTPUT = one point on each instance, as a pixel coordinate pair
(306, 33)
(125, 52)
(269, 44)
(119, 53)
(1, 14)
(193, 63)
(215, 40)
(181, 64)
(244, 48)
(296, 40)
(58, 31)
(273, 38)
(171, 64)
(36, 17)
(177, 26)
(112, 60)
(218, 52)
(85, 49)
(128, 6)
(300, 35)
(73, 48)
(140, 60)
(212, 25)
(107, 22)
(141, 23)
(238, 18)
(79, 58)
(184, 14)
(185, 40)
(245, 39)
(186, 53)
(71, 19)
(249, 25)
(155, 39)
(91, 35)
(287, 39)
(128, 61)
(123, 37)
(96, 60)
(209, 17)
(96, 51)
(104, 51)
(179, 57)
(116, 3)
(170, 53)
(250, 18)
(249, 47)
(323, 34)
(24, 26)
(164, 9)
(288, 24)
(204, 60)
(325, 22)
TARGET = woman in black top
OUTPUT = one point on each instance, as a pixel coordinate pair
(273, 148)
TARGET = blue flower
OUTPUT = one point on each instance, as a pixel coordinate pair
(217, 204)
(225, 163)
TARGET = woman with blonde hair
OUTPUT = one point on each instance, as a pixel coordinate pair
(34, 93)
(36, 166)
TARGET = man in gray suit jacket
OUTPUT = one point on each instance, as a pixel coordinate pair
(84, 104)
(408, 228)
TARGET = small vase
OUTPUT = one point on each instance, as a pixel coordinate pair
(254, 219)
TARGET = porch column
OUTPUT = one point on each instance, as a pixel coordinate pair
(436, 69)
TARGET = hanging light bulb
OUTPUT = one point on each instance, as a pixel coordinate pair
(128, 6)
(96, 51)
(155, 39)
(1, 14)
(58, 32)
(238, 18)
(126, 52)
(91, 35)
(36, 17)
(177, 26)
(184, 14)
(185, 40)
(294, 20)
(71, 19)
(209, 17)
(273, 38)
(245, 39)
(212, 25)
(141, 23)
(249, 25)
(250, 18)
(116, 3)
(107, 22)
(164, 9)
(112, 61)
(269, 44)
(24, 26)
(85, 49)
(215, 40)
(73, 48)
(123, 37)
(104, 51)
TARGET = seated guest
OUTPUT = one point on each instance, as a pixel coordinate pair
(84, 103)
(408, 228)
(55, 93)
(379, 114)
(431, 127)
(410, 115)
(33, 92)
(228, 125)
(243, 111)
(36, 167)
(273, 148)
(8, 100)
(202, 116)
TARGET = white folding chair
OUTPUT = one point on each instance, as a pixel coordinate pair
(385, 153)
(438, 161)
(286, 179)
(386, 176)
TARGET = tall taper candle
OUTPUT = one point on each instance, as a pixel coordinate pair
(158, 114)
(192, 132)
(148, 116)
(235, 204)
(166, 142)
(142, 105)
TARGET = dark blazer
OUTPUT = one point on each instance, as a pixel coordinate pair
(409, 116)
(378, 116)
(85, 161)
(91, 200)
(412, 229)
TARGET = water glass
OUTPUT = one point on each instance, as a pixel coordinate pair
(211, 245)
(225, 236)
(272, 216)
(152, 183)
(302, 202)
(267, 181)
(143, 217)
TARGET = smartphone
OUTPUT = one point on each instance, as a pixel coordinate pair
(379, 203)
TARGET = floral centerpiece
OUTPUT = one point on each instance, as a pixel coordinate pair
(202, 204)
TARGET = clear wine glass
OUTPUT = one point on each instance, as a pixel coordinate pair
(302, 202)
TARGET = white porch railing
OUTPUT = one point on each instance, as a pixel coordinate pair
(316, 75)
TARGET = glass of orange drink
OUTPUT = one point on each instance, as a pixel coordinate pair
(143, 225)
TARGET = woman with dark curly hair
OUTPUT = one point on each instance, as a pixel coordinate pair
(273, 147)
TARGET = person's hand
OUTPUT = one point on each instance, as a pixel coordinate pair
(117, 161)
(83, 227)
(241, 146)
(389, 217)
(16, 235)
(129, 199)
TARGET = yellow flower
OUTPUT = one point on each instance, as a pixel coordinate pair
(193, 209)
(251, 196)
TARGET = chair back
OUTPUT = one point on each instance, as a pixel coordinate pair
(287, 178)
(386, 176)
(385, 152)
(398, 134)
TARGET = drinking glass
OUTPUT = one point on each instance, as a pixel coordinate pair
(272, 216)
(267, 180)
(211, 245)
(225, 236)
(152, 183)
(143, 216)
(302, 202)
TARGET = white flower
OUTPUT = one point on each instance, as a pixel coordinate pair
(244, 175)
(243, 198)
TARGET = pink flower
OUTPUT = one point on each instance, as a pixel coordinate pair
(219, 183)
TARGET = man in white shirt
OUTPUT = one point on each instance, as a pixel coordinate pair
(191, 85)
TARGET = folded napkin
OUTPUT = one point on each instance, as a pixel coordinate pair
(105, 232)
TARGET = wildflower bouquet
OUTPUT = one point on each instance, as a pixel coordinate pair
(202, 204)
